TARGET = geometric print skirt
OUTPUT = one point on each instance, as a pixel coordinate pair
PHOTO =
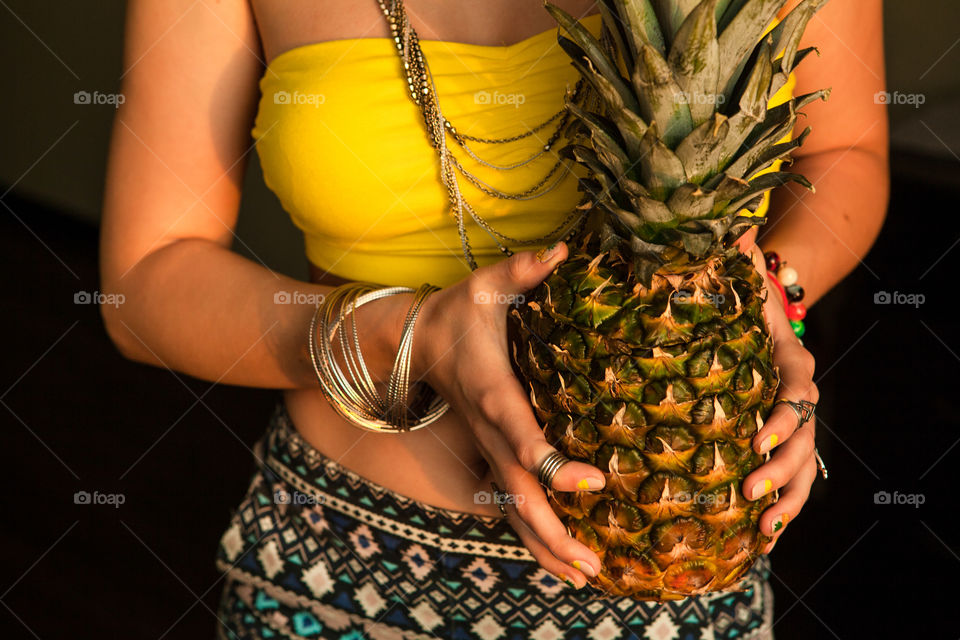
(317, 551)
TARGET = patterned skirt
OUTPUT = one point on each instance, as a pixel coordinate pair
(317, 551)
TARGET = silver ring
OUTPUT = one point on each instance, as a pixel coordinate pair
(500, 498)
(804, 409)
(549, 467)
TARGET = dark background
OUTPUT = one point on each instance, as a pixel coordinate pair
(78, 417)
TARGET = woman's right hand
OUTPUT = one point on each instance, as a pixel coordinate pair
(460, 349)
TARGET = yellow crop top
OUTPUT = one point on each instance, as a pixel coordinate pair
(345, 150)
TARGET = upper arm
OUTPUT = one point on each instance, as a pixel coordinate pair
(179, 142)
(849, 36)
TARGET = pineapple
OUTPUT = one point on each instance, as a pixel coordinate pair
(646, 352)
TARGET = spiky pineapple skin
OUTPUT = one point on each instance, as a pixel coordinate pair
(663, 389)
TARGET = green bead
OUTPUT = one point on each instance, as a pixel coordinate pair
(798, 327)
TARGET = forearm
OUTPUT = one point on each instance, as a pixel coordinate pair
(825, 235)
(200, 309)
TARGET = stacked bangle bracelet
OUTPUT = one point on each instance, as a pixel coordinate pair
(353, 393)
(792, 293)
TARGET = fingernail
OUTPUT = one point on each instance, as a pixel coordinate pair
(769, 443)
(584, 568)
(567, 580)
(544, 255)
(762, 489)
(590, 484)
(780, 522)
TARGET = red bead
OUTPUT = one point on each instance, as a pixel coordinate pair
(796, 311)
(773, 261)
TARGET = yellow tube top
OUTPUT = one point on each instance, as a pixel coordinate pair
(345, 150)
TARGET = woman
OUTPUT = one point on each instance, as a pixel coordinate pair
(348, 533)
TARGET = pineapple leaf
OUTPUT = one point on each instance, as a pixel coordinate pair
(647, 258)
(787, 34)
(653, 212)
(731, 10)
(763, 183)
(588, 157)
(689, 201)
(630, 221)
(660, 169)
(776, 152)
(641, 24)
(753, 100)
(766, 153)
(605, 139)
(695, 60)
(741, 36)
(700, 151)
(726, 190)
(659, 96)
(630, 126)
(591, 49)
(697, 243)
(672, 14)
(780, 78)
(623, 40)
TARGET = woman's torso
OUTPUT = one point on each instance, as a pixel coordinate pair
(356, 173)
(438, 465)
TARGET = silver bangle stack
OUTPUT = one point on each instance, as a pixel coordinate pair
(353, 393)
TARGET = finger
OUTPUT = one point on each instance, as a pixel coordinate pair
(792, 498)
(535, 515)
(783, 421)
(783, 465)
(504, 404)
(544, 557)
(522, 271)
(796, 366)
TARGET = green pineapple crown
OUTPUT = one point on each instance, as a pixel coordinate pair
(676, 131)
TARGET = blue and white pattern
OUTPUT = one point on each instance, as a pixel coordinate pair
(358, 561)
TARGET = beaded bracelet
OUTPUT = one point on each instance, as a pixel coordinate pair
(792, 293)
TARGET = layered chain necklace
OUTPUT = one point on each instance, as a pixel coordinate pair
(424, 93)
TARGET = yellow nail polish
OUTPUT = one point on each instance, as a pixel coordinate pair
(762, 489)
(771, 442)
(590, 484)
(584, 568)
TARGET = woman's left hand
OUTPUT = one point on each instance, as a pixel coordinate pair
(792, 467)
